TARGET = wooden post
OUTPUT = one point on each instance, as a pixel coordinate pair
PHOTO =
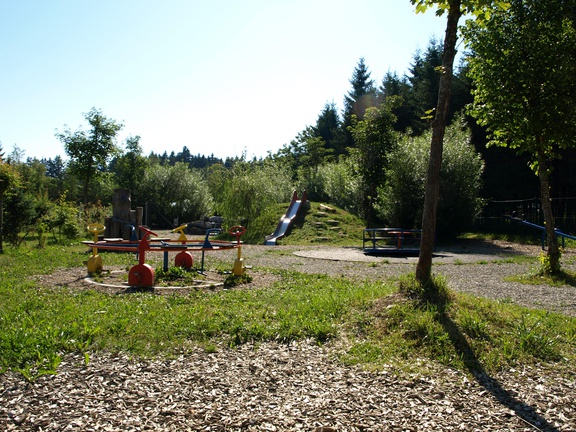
(139, 213)
(108, 226)
(121, 205)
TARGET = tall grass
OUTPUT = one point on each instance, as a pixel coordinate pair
(464, 332)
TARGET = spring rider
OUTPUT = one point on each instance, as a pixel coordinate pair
(142, 274)
(183, 259)
(94, 264)
(237, 231)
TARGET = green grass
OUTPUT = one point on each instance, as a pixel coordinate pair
(462, 331)
(38, 325)
(534, 278)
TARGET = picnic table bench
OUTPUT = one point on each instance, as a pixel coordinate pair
(379, 240)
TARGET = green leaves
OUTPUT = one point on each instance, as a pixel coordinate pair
(480, 9)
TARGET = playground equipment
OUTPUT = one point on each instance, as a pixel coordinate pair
(142, 274)
(183, 258)
(391, 240)
(95, 261)
(287, 219)
(541, 228)
(238, 231)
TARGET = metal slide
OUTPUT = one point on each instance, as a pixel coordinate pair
(287, 219)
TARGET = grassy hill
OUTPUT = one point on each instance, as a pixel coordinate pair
(316, 223)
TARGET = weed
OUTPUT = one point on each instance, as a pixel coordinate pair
(234, 280)
(533, 339)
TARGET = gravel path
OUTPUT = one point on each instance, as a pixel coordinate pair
(478, 268)
(301, 387)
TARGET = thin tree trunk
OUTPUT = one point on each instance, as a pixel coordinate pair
(551, 240)
(1, 225)
(432, 193)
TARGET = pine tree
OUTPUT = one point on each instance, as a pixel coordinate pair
(362, 96)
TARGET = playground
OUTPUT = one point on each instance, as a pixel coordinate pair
(245, 387)
(276, 383)
(474, 266)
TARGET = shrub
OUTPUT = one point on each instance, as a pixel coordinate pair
(401, 199)
(342, 186)
(177, 192)
(252, 188)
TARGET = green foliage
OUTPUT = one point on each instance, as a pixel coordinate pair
(90, 150)
(264, 224)
(479, 9)
(467, 333)
(233, 280)
(250, 189)
(342, 185)
(63, 221)
(374, 139)
(9, 178)
(324, 224)
(20, 216)
(130, 167)
(39, 325)
(177, 192)
(524, 70)
(547, 266)
(401, 199)
(528, 50)
(93, 213)
(313, 225)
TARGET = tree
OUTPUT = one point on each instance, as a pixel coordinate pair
(130, 168)
(329, 128)
(90, 150)
(362, 96)
(374, 138)
(425, 80)
(8, 179)
(177, 191)
(250, 189)
(524, 70)
(56, 172)
(401, 199)
(454, 9)
(395, 87)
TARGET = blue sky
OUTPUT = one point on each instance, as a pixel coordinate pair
(220, 77)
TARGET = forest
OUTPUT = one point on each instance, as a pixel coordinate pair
(370, 158)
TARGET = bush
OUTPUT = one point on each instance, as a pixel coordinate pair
(63, 221)
(177, 192)
(401, 199)
(251, 189)
(20, 215)
(342, 186)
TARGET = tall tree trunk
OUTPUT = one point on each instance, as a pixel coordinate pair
(85, 191)
(1, 225)
(432, 193)
(551, 240)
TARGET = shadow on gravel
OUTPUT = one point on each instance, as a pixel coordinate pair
(524, 411)
(466, 246)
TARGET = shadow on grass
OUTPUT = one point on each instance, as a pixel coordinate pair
(524, 411)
